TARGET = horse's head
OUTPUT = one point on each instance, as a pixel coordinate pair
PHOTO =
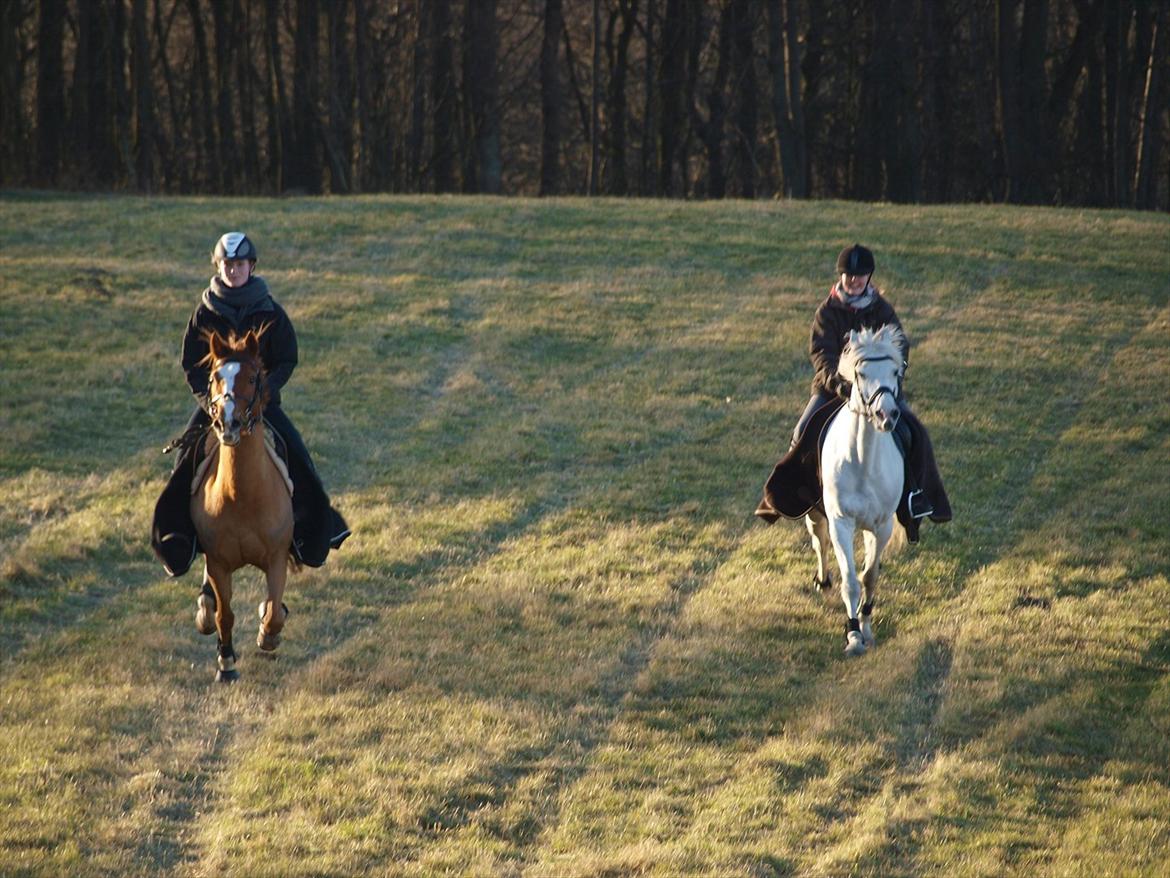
(237, 390)
(873, 362)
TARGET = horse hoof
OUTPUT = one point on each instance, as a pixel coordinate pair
(854, 645)
(267, 642)
(231, 676)
(205, 615)
(822, 585)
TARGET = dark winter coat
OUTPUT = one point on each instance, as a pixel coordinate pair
(249, 307)
(831, 326)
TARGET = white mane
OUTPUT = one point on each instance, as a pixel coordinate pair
(869, 344)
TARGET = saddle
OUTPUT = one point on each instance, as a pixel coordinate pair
(794, 488)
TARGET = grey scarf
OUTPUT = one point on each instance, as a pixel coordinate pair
(236, 304)
(859, 302)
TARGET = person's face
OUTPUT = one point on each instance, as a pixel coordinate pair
(235, 272)
(854, 284)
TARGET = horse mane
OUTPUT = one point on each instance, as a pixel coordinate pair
(235, 342)
(868, 344)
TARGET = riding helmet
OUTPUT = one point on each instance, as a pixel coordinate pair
(855, 260)
(233, 245)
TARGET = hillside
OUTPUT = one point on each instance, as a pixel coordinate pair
(559, 643)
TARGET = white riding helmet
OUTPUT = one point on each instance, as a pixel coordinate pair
(233, 245)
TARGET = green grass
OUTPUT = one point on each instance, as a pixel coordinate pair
(559, 644)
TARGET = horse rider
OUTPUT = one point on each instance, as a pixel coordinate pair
(237, 300)
(854, 303)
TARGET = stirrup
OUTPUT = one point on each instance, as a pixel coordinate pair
(918, 505)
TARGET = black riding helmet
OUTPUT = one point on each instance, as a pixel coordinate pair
(233, 245)
(855, 260)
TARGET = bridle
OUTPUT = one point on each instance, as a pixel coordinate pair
(250, 416)
(868, 403)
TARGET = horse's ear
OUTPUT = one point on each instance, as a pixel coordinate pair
(219, 348)
(252, 343)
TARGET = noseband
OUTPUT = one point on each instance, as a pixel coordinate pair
(250, 417)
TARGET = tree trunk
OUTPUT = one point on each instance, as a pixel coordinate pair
(145, 125)
(418, 99)
(550, 99)
(784, 64)
(647, 175)
(279, 122)
(616, 181)
(595, 102)
(305, 158)
(711, 130)
(1007, 64)
(203, 136)
(1151, 105)
(227, 155)
(1118, 31)
(671, 81)
(746, 99)
(13, 148)
(340, 103)
(442, 95)
(938, 90)
(366, 175)
(1035, 155)
(50, 91)
(481, 38)
(246, 77)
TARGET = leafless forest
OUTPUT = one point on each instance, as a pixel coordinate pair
(1023, 101)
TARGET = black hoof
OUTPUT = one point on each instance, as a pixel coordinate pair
(227, 676)
(822, 584)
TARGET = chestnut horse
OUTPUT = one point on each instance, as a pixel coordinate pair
(243, 510)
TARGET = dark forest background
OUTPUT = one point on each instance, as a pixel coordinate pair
(1024, 101)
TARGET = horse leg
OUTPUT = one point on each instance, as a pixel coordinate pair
(818, 529)
(273, 612)
(874, 544)
(205, 606)
(225, 620)
(842, 531)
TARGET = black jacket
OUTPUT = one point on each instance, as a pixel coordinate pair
(831, 327)
(278, 345)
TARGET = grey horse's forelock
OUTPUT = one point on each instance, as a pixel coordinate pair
(888, 341)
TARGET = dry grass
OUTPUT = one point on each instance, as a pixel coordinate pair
(559, 644)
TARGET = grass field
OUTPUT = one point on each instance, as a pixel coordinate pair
(559, 644)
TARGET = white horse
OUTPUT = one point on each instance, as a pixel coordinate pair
(862, 474)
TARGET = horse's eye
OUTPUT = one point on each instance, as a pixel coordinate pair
(253, 380)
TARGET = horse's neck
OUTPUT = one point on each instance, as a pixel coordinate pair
(864, 438)
(242, 467)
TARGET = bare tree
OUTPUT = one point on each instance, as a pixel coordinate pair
(787, 98)
(50, 90)
(550, 98)
(481, 42)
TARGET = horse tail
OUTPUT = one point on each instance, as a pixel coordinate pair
(899, 540)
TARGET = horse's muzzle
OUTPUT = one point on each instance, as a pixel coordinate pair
(231, 436)
(885, 422)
